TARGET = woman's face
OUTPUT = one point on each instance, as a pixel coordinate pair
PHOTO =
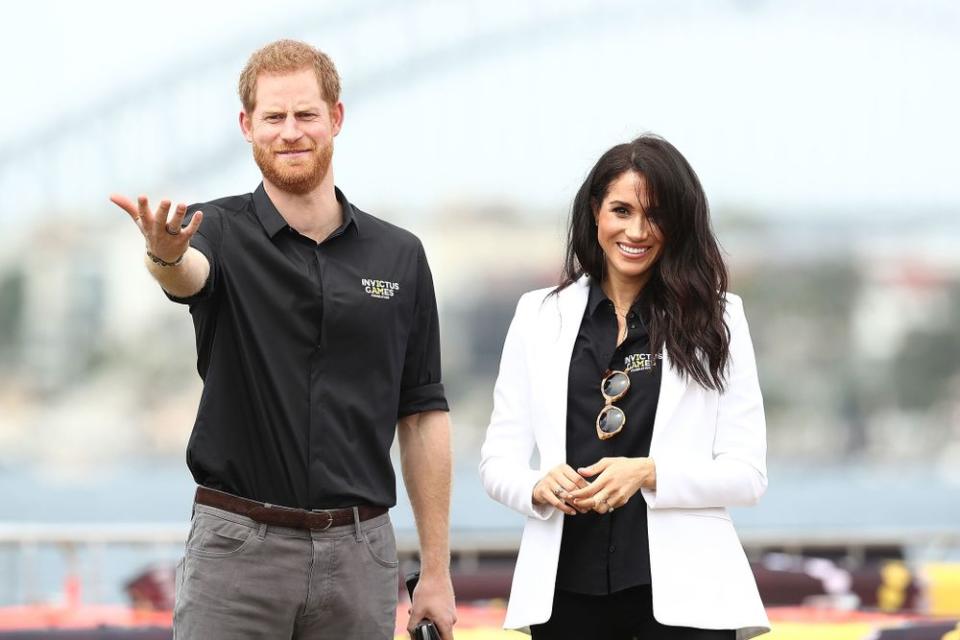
(631, 243)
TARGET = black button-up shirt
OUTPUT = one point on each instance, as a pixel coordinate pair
(309, 354)
(603, 554)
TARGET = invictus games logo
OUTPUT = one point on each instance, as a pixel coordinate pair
(382, 289)
(640, 361)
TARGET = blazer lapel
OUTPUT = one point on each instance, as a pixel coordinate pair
(672, 387)
(562, 315)
(560, 320)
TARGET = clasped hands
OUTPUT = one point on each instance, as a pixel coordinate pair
(615, 480)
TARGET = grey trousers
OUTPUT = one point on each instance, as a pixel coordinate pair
(242, 579)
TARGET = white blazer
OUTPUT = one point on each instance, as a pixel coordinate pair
(709, 449)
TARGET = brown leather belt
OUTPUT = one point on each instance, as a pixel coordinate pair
(283, 516)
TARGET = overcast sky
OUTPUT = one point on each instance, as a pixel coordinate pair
(777, 106)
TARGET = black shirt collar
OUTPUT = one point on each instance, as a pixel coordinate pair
(597, 297)
(273, 222)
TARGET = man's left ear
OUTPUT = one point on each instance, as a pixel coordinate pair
(336, 117)
(245, 126)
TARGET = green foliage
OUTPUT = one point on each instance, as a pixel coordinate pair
(11, 314)
(929, 363)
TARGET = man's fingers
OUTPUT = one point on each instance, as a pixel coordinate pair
(126, 204)
(446, 631)
(193, 225)
(143, 210)
(176, 221)
(160, 222)
(442, 611)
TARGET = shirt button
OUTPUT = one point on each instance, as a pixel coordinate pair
(633, 326)
(612, 548)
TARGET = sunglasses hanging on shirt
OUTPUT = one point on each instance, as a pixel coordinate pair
(611, 419)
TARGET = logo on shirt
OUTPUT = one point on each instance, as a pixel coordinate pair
(640, 361)
(382, 289)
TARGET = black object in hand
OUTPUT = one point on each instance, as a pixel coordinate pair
(425, 629)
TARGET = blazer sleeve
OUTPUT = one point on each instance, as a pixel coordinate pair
(505, 470)
(737, 473)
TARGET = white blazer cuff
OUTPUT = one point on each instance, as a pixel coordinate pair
(538, 511)
(649, 496)
(721, 482)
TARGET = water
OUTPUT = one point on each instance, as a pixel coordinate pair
(799, 499)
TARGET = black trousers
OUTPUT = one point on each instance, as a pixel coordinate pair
(624, 615)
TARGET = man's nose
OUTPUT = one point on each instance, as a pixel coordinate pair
(290, 131)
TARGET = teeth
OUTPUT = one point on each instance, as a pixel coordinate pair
(635, 251)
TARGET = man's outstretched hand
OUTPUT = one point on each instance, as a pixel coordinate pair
(164, 237)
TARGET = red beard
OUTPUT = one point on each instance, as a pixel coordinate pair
(299, 178)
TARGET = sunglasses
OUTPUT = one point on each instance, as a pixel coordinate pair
(611, 419)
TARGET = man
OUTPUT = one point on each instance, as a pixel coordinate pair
(317, 341)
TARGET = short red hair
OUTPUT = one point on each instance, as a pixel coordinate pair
(288, 56)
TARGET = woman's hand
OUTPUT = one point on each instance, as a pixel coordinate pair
(617, 479)
(555, 488)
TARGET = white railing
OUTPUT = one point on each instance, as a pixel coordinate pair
(22, 545)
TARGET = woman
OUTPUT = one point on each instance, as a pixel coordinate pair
(635, 382)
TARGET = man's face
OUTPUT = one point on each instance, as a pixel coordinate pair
(291, 130)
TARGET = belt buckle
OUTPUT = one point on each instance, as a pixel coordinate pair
(329, 515)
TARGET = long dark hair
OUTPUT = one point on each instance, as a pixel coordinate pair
(684, 297)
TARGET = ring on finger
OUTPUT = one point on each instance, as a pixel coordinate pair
(558, 491)
(171, 231)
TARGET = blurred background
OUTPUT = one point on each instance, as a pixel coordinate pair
(825, 134)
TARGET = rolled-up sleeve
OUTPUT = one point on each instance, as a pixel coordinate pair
(421, 388)
(207, 240)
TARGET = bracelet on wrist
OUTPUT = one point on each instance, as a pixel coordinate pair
(164, 263)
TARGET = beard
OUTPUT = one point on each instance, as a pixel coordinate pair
(300, 178)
